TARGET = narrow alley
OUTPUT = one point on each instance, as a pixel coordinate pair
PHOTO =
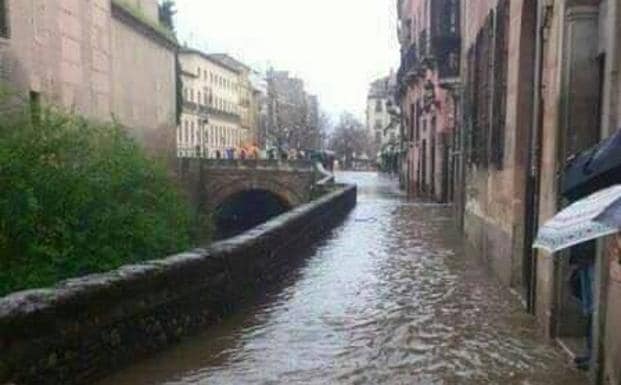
(388, 298)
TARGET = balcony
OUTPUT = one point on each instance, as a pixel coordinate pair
(447, 55)
(207, 111)
(230, 116)
(444, 38)
(410, 65)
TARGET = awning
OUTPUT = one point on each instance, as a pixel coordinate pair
(590, 218)
(594, 169)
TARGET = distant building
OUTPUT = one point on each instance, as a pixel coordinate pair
(210, 123)
(291, 112)
(259, 108)
(108, 59)
(312, 111)
(247, 105)
(382, 115)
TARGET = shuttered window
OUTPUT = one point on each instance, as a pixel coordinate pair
(486, 89)
(501, 64)
(4, 19)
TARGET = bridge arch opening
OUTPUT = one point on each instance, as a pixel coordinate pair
(246, 209)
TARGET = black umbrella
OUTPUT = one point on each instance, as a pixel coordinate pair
(594, 169)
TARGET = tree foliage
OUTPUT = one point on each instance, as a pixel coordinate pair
(167, 11)
(79, 197)
(349, 139)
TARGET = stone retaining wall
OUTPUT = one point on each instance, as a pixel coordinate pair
(85, 328)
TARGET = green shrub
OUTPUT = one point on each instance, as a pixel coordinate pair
(77, 197)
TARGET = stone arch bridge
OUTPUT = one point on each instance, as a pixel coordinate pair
(211, 182)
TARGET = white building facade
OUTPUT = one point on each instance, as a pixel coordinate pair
(210, 124)
(382, 111)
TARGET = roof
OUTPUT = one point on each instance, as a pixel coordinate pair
(231, 61)
(382, 88)
(132, 17)
(194, 51)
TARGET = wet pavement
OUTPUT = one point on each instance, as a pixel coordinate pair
(387, 298)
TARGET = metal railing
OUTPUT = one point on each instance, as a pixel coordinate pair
(279, 164)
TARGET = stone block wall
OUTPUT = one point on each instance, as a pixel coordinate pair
(85, 328)
(90, 58)
(495, 196)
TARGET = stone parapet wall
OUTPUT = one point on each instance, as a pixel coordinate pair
(85, 328)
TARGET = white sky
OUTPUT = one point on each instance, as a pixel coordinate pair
(337, 46)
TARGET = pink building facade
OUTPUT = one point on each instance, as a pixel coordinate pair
(429, 34)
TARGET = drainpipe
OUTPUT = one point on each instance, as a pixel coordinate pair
(533, 182)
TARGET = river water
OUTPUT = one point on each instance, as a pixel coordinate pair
(387, 298)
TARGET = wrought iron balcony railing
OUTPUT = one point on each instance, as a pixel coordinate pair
(208, 111)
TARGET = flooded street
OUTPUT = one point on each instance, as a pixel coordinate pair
(386, 298)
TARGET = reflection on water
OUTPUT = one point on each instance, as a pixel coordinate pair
(388, 298)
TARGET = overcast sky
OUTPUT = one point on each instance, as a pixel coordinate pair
(337, 46)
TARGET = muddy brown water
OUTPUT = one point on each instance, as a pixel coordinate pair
(389, 297)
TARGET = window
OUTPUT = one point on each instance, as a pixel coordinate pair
(191, 132)
(453, 16)
(501, 65)
(378, 106)
(378, 125)
(191, 95)
(35, 107)
(480, 93)
(198, 97)
(4, 19)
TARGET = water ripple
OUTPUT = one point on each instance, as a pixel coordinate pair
(389, 298)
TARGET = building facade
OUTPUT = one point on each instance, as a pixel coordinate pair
(312, 118)
(428, 79)
(539, 85)
(259, 109)
(95, 58)
(248, 98)
(289, 113)
(578, 92)
(383, 122)
(210, 123)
